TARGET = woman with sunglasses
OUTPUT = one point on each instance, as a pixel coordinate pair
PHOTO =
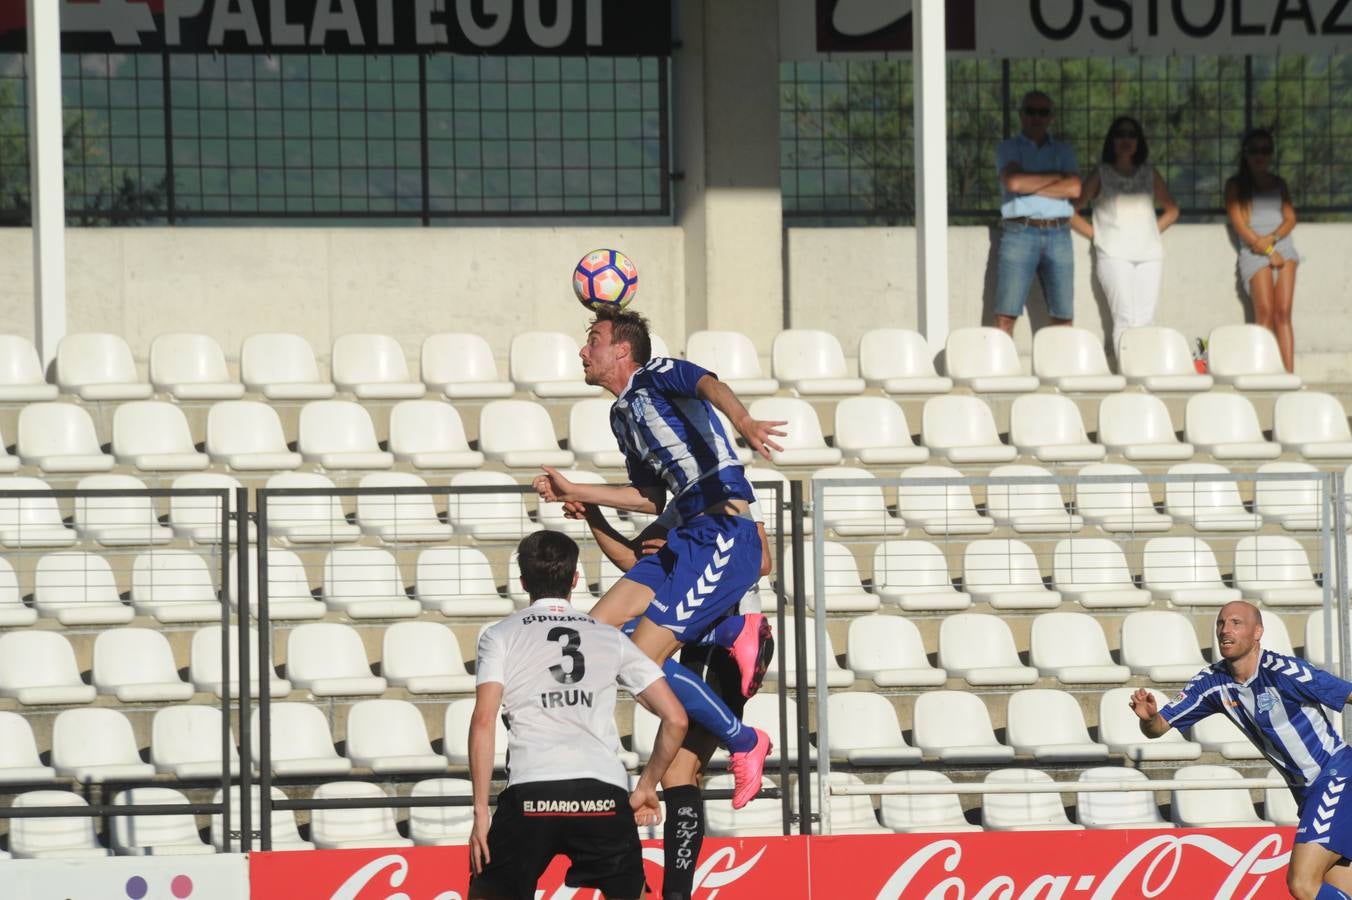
(1260, 210)
(1126, 190)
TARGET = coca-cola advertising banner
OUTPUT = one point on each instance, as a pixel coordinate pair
(1238, 863)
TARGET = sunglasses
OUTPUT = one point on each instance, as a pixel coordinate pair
(1042, 111)
(1127, 133)
(1259, 151)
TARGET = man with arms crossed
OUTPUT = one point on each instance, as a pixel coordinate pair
(1278, 702)
(553, 671)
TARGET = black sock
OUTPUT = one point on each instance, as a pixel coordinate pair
(682, 836)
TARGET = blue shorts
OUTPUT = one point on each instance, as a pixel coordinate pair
(706, 567)
(1027, 251)
(1326, 814)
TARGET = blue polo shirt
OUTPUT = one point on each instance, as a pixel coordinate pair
(1052, 156)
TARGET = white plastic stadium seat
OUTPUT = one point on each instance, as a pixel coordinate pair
(301, 742)
(1226, 426)
(328, 659)
(923, 813)
(939, 508)
(338, 434)
(962, 429)
(850, 813)
(1219, 734)
(60, 437)
(1023, 812)
(980, 648)
(811, 363)
(160, 835)
(153, 436)
(306, 519)
(461, 366)
(1159, 360)
(282, 367)
(1071, 647)
(855, 510)
(1162, 645)
(844, 588)
(373, 367)
(493, 515)
(175, 585)
(205, 669)
(136, 665)
(1005, 574)
(865, 731)
(1117, 809)
(440, 826)
(456, 734)
(913, 574)
(1275, 569)
(985, 360)
(428, 434)
(77, 588)
(458, 581)
(1278, 804)
(546, 363)
(1247, 357)
(732, 355)
(34, 519)
(1072, 361)
(1094, 573)
(346, 829)
(21, 376)
(900, 362)
(365, 583)
(520, 435)
(955, 727)
(803, 442)
(1208, 505)
(247, 436)
(38, 667)
(1138, 427)
(1030, 508)
(54, 838)
(96, 366)
(1217, 808)
(1049, 427)
(1049, 726)
(185, 741)
(424, 658)
(13, 612)
(889, 650)
(19, 762)
(761, 817)
(118, 521)
(836, 677)
(1118, 507)
(1293, 504)
(1183, 571)
(1313, 425)
(198, 518)
(589, 435)
(289, 593)
(874, 431)
(94, 745)
(8, 461)
(399, 518)
(191, 367)
(285, 834)
(389, 736)
(763, 480)
(1119, 728)
(1314, 639)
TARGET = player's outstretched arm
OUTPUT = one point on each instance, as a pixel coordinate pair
(482, 729)
(760, 435)
(659, 700)
(554, 487)
(1145, 706)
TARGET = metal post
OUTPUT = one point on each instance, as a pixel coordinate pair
(224, 496)
(786, 808)
(800, 648)
(264, 681)
(1338, 488)
(46, 169)
(819, 631)
(242, 618)
(929, 71)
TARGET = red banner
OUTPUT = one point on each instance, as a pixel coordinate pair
(1239, 863)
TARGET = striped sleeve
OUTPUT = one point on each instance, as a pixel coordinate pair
(676, 376)
(1198, 699)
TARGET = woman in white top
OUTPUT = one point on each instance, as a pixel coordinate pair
(1126, 229)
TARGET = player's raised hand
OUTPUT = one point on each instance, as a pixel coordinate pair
(643, 801)
(552, 486)
(760, 434)
(1144, 704)
(575, 509)
(478, 842)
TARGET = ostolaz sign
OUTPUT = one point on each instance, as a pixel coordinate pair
(499, 27)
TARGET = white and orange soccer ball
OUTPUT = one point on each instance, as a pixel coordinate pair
(605, 279)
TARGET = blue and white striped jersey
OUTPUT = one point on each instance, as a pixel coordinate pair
(1280, 709)
(671, 438)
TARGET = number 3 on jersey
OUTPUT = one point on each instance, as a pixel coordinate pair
(570, 643)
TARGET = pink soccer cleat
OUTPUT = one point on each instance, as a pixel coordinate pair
(752, 651)
(746, 770)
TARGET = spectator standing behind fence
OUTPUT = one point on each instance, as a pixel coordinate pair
(1039, 177)
(1259, 205)
(1126, 190)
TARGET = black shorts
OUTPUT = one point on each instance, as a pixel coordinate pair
(586, 820)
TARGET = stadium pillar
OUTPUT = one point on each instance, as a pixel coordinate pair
(727, 198)
(47, 176)
(931, 170)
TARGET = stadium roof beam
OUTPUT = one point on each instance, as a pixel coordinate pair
(46, 170)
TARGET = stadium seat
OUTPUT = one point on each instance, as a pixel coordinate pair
(424, 658)
(373, 367)
(1023, 812)
(444, 825)
(589, 436)
(1247, 357)
(888, 649)
(1159, 360)
(93, 745)
(125, 520)
(285, 834)
(1119, 728)
(338, 434)
(899, 361)
(60, 437)
(803, 442)
(873, 430)
(1226, 426)
(836, 677)
(70, 837)
(159, 835)
(457, 581)
(1030, 508)
(732, 355)
(1117, 809)
(329, 660)
(762, 817)
(1315, 632)
(856, 510)
(8, 461)
(1005, 574)
(96, 366)
(191, 367)
(955, 727)
(1275, 570)
(1049, 427)
(461, 366)
(546, 363)
(962, 429)
(1093, 572)
(153, 436)
(1162, 645)
(811, 363)
(136, 665)
(33, 520)
(282, 367)
(21, 374)
(984, 359)
(1208, 505)
(198, 518)
(13, 612)
(19, 762)
(246, 435)
(301, 742)
(844, 588)
(349, 829)
(1313, 425)
(1139, 428)
(428, 434)
(289, 594)
(1118, 507)
(865, 731)
(185, 741)
(38, 667)
(456, 734)
(1071, 647)
(850, 813)
(497, 515)
(205, 670)
(1279, 806)
(1293, 504)
(980, 648)
(1275, 636)
(1049, 726)
(581, 598)
(520, 435)
(389, 736)
(939, 508)
(923, 813)
(1183, 571)
(914, 575)
(1072, 361)
(1213, 808)
(763, 480)
(1219, 734)
(175, 585)
(399, 518)
(77, 588)
(307, 519)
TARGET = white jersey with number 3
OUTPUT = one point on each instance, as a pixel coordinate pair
(558, 669)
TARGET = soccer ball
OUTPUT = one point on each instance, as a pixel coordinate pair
(605, 279)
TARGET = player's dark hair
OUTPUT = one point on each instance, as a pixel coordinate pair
(548, 560)
(1109, 151)
(629, 327)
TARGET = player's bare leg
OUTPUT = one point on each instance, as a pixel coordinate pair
(624, 601)
(1310, 863)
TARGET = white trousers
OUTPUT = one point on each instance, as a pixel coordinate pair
(1132, 289)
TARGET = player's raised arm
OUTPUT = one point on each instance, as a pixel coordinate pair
(1145, 706)
(482, 728)
(554, 487)
(759, 434)
(659, 700)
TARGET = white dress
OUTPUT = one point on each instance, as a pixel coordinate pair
(1128, 252)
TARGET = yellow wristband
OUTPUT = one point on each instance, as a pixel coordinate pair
(1270, 249)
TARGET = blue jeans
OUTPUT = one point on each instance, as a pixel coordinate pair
(1026, 250)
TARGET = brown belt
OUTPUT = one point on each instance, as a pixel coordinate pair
(1040, 223)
